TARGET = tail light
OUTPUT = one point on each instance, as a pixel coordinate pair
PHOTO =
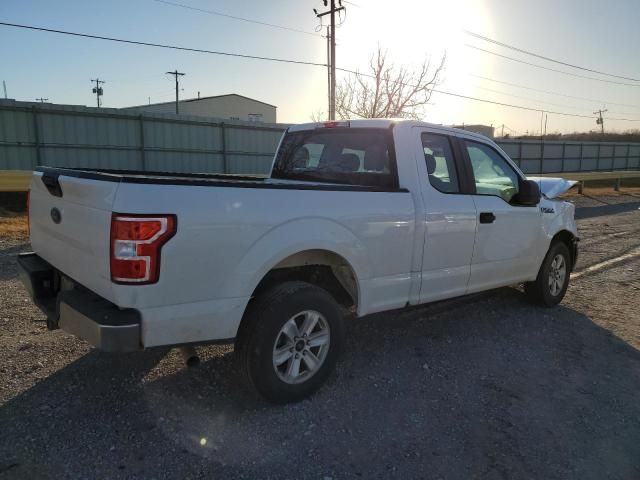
(334, 124)
(136, 241)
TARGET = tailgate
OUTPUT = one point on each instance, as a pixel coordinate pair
(70, 227)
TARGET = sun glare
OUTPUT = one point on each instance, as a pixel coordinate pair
(412, 31)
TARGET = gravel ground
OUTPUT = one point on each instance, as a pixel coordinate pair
(488, 387)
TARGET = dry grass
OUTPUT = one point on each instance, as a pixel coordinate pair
(13, 225)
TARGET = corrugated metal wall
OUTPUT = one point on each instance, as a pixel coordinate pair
(34, 134)
(548, 157)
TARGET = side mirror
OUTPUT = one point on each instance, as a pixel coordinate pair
(529, 194)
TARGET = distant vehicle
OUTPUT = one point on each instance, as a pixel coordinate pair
(367, 215)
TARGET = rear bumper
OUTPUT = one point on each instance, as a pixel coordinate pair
(77, 310)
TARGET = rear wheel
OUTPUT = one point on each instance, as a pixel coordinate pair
(551, 284)
(290, 342)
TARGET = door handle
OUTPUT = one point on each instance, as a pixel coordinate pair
(487, 217)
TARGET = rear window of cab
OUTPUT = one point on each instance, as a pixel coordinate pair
(347, 156)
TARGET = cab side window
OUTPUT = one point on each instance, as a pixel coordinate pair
(492, 174)
(441, 168)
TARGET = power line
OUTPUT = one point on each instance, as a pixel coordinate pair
(549, 59)
(234, 17)
(548, 68)
(161, 45)
(550, 92)
(468, 97)
(484, 100)
(299, 62)
(529, 98)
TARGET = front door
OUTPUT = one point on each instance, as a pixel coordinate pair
(449, 216)
(508, 235)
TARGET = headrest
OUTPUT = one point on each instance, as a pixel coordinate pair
(349, 162)
(375, 158)
(431, 163)
(301, 158)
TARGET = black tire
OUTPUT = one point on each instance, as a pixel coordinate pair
(540, 291)
(261, 328)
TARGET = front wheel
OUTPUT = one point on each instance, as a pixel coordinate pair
(291, 341)
(551, 284)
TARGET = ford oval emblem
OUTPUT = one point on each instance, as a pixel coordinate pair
(56, 216)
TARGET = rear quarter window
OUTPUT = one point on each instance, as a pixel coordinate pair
(342, 155)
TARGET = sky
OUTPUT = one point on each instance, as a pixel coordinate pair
(590, 33)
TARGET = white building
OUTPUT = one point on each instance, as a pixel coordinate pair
(231, 107)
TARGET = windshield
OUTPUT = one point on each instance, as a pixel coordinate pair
(342, 155)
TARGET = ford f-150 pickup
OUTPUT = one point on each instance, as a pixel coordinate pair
(361, 216)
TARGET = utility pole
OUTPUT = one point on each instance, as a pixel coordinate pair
(176, 74)
(541, 119)
(98, 90)
(42, 100)
(502, 134)
(4, 86)
(332, 50)
(329, 71)
(546, 117)
(600, 120)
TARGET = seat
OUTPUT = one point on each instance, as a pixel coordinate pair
(347, 162)
(375, 158)
(433, 179)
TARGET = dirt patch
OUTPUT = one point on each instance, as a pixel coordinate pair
(13, 225)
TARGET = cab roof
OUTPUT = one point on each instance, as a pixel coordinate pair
(384, 123)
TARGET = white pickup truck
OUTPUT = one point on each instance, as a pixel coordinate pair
(363, 215)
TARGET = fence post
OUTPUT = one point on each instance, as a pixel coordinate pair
(541, 155)
(224, 148)
(581, 155)
(142, 148)
(626, 163)
(598, 158)
(520, 154)
(36, 135)
(564, 148)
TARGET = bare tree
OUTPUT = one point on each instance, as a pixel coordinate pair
(387, 90)
(318, 116)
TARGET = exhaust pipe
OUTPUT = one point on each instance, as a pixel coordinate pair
(190, 356)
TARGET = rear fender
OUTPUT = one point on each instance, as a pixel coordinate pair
(288, 239)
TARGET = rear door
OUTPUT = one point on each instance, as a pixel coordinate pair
(508, 235)
(70, 221)
(449, 217)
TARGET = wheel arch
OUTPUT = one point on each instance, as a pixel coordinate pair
(571, 241)
(321, 267)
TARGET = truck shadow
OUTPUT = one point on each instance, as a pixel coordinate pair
(8, 268)
(494, 388)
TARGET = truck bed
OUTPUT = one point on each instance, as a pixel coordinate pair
(227, 239)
